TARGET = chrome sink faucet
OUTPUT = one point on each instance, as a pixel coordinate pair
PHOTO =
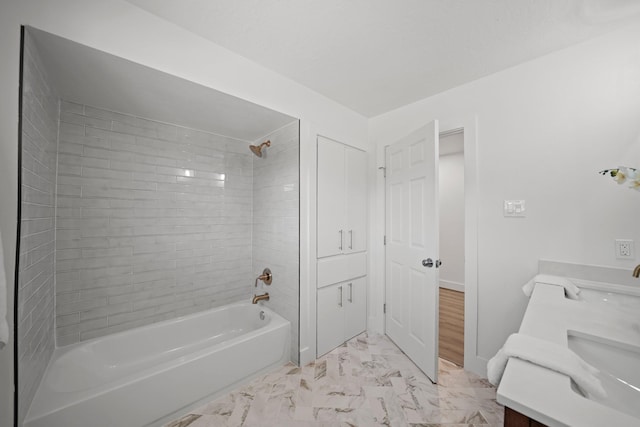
(636, 271)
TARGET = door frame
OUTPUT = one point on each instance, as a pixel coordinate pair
(472, 361)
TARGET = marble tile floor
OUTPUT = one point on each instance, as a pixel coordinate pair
(366, 382)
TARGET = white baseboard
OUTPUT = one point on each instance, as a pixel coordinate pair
(306, 356)
(454, 286)
(476, 364)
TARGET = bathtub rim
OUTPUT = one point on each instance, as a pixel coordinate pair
(66, 399)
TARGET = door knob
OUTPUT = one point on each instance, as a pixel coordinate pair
(429, 263)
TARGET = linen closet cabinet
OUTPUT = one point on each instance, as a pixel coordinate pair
(341, 243)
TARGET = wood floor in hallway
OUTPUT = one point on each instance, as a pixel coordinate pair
(451, 327)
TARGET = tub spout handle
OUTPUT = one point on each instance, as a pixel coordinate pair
(263, 297)
(636, 271)
(266, 277)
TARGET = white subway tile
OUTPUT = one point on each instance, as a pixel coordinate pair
(79, 306)
(179, 208)
(109, 252)
(106, 232)
(101, 153)
(35, 279)
(69, 117)
(99, 113)
(132, 166)
(91, 172)
(107, 310)
(70, 148)
(71, 107)
(70, 129)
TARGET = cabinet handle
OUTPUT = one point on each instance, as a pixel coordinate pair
(350, 239)
(340, 296)
(340, 247)
(350, 292)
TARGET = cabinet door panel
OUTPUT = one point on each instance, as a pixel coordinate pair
(355, 304)
(330, 316)
(332, 235)
(356, 200)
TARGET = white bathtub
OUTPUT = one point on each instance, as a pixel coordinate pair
(143, 376)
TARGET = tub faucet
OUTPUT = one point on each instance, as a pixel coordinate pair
(262, 297)
(636, 271)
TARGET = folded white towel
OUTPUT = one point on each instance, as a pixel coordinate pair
(4, 327)
(549, 355)
(570, 289)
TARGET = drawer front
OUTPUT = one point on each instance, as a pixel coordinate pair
(341, 268)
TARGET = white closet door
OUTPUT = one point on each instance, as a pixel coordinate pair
(356, 200)
(330, 315)
(331, 195)
(355, 303)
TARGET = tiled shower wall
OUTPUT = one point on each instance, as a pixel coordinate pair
(36, 264)
(153, 222)
(276, 189)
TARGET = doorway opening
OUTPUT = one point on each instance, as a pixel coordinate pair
(451, 246)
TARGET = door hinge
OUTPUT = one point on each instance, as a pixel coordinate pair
(384, 240)
(384, 171)
(384, 308)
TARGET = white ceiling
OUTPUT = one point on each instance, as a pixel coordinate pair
(376, 55)
(92, 77)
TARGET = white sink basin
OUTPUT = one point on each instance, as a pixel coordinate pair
(619, 369)
(614, 300)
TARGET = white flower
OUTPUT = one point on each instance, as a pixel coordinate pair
(621, 175)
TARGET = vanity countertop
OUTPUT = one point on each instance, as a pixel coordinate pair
(547, 396)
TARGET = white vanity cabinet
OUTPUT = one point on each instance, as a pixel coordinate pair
(342, 313)
(342, 199)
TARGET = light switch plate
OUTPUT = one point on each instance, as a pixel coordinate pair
(514, 208)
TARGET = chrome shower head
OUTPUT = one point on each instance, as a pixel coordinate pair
(257, 149)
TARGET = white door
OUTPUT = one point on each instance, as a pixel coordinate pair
(411, 283)
(356, 185)
(330, 310)
(331, 198)
(355, 303)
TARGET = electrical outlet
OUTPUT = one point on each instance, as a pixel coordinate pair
(624, 249)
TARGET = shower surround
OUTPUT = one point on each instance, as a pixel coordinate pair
(276, 224)
(129, 221)
(35, 296)
(155, 221)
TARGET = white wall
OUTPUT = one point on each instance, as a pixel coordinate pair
(451, 181)
(544, 128)
(121, 29)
